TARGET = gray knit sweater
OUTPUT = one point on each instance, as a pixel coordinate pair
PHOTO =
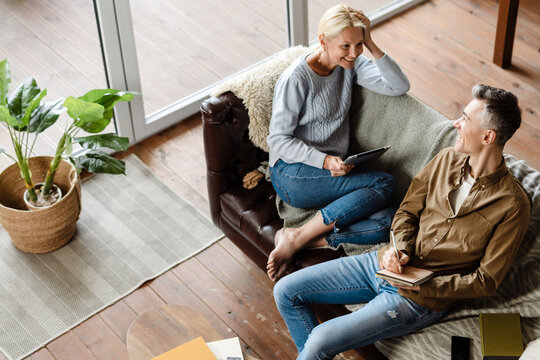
(310, 113)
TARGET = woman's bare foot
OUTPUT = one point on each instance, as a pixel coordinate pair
(281, 256)
(288, 241)
(278, 236)
(287, 245)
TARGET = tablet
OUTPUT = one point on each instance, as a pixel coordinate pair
(366, 156)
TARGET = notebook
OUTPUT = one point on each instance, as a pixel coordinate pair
(411, 276)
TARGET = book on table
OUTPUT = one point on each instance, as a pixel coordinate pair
(410, 275)
(198, 349)
(194, 349)
(501, 336)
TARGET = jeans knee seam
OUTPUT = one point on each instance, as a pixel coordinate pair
(343, 214)
(304, 320)
(297, 295)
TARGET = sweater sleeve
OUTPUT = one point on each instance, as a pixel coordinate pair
(383, 76)
(289, 98)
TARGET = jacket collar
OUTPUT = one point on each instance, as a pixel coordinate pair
(461, 164)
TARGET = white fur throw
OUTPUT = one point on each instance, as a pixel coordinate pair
(255, 88)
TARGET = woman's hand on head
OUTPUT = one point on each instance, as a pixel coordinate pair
(335, 165)
(368, 41)
(367, 23)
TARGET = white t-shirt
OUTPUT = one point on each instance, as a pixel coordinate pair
(458, 196)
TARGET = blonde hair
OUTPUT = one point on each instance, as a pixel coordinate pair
(336, 19)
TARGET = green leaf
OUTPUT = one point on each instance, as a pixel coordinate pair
(30, 109)
(45, 116)
(5, 116)
(94, 127)
(110, 141)
(5, 80)
(108, 101)
(83, 112)
(98, 162)
(108, 98)
(95, 95)
(19, 101)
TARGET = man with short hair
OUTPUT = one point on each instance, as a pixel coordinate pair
(463, 217)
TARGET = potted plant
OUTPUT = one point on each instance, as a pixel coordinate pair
(51, 222)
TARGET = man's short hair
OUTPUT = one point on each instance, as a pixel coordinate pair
(501, 111)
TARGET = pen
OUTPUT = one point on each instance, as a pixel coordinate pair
(395, 247)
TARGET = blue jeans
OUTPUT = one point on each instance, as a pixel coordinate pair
(358, 202)
(348, 280)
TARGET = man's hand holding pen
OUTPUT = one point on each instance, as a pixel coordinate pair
(394, 260)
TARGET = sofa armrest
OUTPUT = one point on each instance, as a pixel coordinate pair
(229, 152)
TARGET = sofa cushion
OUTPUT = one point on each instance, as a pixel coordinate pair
(254, 223)
(415, 131)
(236, 201)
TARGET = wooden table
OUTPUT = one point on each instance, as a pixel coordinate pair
(163, 328)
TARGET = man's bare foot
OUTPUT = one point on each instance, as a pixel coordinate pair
(281, 256)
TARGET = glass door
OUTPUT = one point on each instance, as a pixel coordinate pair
(175, 50)
(57, 43)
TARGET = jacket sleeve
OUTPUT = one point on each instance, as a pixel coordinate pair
(407, 219)
(383, 76)
(289, 98)
(498, 257)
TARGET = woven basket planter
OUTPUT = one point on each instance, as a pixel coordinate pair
(45, 230)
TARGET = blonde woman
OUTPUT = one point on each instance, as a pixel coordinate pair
(309, 138)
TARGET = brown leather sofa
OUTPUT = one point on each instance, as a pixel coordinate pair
(248, 217)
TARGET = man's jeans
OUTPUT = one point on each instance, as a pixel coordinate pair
(358, 202)
(348, 280)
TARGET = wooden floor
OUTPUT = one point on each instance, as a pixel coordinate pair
(444, 46)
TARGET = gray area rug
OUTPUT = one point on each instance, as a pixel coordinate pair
(131, 229)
